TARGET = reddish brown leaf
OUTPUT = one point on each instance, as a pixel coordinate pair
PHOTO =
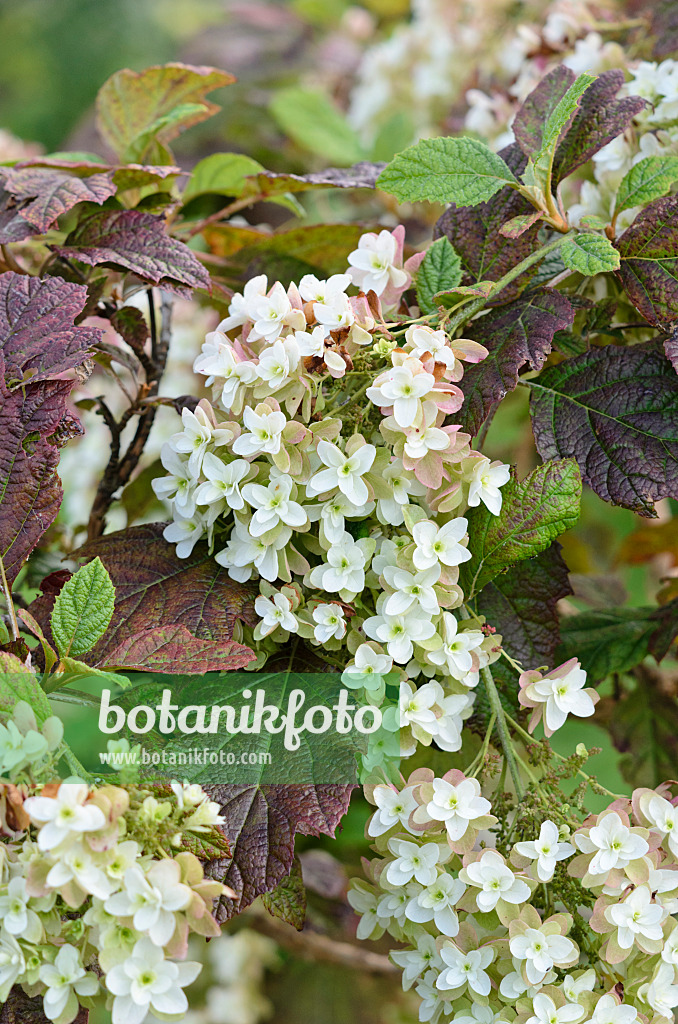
(138, 242)
(38, 336)
(529, 122)
(649, 262)
(261, 823)
(172, 649)
(52, 192)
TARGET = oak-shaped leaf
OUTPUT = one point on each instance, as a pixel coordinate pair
(606, 640)
(649, 262)
(52, 191)
(665, 620)
(139, 112)
(288, 900)
(534, 511)
(172, 649)
(615, 410)
(155, 588)
(30, 490)
(522, 605)
(643, 725)
(138, 242)
(475, 233)
(13, 228)
(515, 335)
(261, 823)
(38, 336)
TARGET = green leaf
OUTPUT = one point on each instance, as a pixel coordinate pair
(534, 511)
(313, 121)
(647, 180)
(17, 682)
(556, 126)
(139, 112)
(71, 670)
(288, 900)
(221, 174)
(606, 641)
(589, 254)
(206, 846)
(440, 270)
(461, 171)
(644, 725)
(83, 609)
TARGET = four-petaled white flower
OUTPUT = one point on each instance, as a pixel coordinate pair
(496, 881)
(373, 263)
(412, 861)
(455, 654)
(273, 505)
(179, 483)
(274, 612)
(440, 544)
(65, 815)
(562, 695)
(609, 1011)
(637, 915)
(312, 289)
(399, 632)
(270, 313)
(424, 436)
(265, 433)
(76, 864)
(222, 483)
(185, 532)
(664, 817)
(613, 843)
(316, 345)
(146, 982)
(457, 806)
(411, 589)
(278, 362)
(16, 916)
(12, 963)
(343, 472)
(393, 808)
(485, 482)
(661, 994)
(403, 390)
(330, 622)
(436, 903)
(466, 969)
(367, 669)
(241, 309)
(415, 961)
(344, 570)
(545, 1011)
(66, 979)
(195, 438)
(219, 361)
(152, 899)
(547, 850)
(541, 951)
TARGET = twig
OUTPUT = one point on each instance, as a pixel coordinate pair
(7, 590)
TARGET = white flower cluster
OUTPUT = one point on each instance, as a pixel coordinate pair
(478, 950)
(89, 880)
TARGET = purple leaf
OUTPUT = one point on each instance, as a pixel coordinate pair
(616, 411)
(38, 336)
(52, 192)
(539, 105)
(138, 242)
(649, 262)
(517, 334)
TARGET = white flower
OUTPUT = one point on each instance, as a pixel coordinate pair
(412, 861)
(423, 436)
(264, 435)
(661, 994)
(146, 982)
(563, 696)
(541, 951)
(152, 899)
(243, 553)
(670, 950)
(373, 263)
(223, 482)
(240, 309)
(573, 987)
(457, 806)
(344, 472)
(366, 903)
(664, 817)
(402, 389)
(344, 571)
(496, 881)
(402, 484)
(330, 622)
(411, 589)
(423, 339)
(433, 1005)
(185, 532)
(273, 505)
(76, 864)
(16, 916)
(273, 613)
(609, 1011)
(179, 484)
(546, 850)
(466, 969)
(335, 314)
(12, 963)
(455, 653)
(367, 669)
(440, 544)
(270, 313)
(636, 915)
(392, 808)
(233, 375)
(333, 513)
(315, 344)
(546, 1012)
(613, 843)
(278, 362)
(64, 816)
(194, 439)
(399, 632)
(436, 902)
(415, 961)
(65, 979)
(486, 479)
(312, 289)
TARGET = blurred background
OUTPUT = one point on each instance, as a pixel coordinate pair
(363, 81)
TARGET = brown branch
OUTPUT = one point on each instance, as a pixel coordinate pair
(120, 469)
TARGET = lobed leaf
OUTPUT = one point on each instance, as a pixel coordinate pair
(589, 254)
(534, 511)
(606, 640)
(558, 121)
(38, 336)
(83, 609)
(134, 106)
(138, 242)
(52, 192)
(225, 174)
(446, 170)
(644, 726)
(528, 124)
(649, 179)
(649, 262)
(173, 650)
(616, 411)
(440, 270)
(516, 334)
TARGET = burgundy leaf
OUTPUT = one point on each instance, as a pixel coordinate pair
(261, 823)
(138, 242)
(53, 192)
(13, 228)
(173, 650)
(671, 348)
(529, 122)
(518, 334)
(649, 262)
(38, 336)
